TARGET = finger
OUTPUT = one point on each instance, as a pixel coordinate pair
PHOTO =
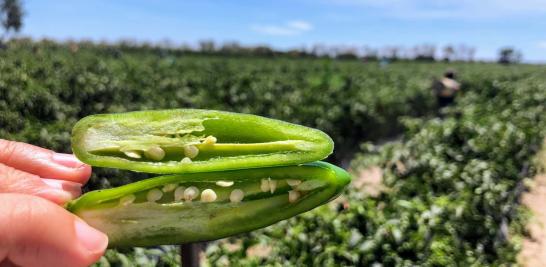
(7, 263)
(36, 232)
(16, 181)
(74, 189)
(43, 162)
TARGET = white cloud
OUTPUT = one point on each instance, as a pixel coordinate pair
(295, 27)
(542, 44)
(300, 25)
(459, 9)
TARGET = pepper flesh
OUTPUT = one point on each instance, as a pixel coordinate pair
(194, 140)
(129, 219)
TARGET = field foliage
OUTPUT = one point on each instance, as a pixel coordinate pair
(451, 180)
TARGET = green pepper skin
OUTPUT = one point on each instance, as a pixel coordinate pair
(244, 141)
(151, 223)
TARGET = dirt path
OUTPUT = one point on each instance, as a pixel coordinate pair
(370, 181)
(533, 251)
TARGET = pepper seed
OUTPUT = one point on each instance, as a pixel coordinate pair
(191, 151)
(208, 195)
(224, 183)
(154, 195)
(293, 195)
(292, 182)
(236, 195)
(133, 154)
(169, 187)
(179, 193)
(155, 153)
(126, 200)
(191, 193)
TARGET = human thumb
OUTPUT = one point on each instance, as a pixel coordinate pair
(36, 232)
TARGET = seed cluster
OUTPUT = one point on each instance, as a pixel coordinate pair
(156, 153)
(191, 193)
(268, 185)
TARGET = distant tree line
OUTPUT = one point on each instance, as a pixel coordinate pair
(11, 16)
(425, 52)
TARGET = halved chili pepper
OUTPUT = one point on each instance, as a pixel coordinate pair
(191, 207)
(194, 140)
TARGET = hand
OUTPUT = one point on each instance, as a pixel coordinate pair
(34, 230)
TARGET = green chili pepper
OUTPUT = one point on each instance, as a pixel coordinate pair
(193, 140)
(230, 174)
(191, 207)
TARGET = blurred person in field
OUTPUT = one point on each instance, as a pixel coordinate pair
(446, 89)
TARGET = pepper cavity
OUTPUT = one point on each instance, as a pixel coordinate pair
(187, 148)
(191, 141)
(204, 206)
(221, 191)
(175, 147)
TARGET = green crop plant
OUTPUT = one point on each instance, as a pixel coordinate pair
(46, 87)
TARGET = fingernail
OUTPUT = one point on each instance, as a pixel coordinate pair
(67, 160)
(93, 240)
(75, 189)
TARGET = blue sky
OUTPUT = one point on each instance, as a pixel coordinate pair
(485, 25)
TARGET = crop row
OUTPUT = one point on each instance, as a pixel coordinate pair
(45, 88)
(450, 196)
(452, 184)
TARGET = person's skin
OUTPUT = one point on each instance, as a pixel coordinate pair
(34, 228)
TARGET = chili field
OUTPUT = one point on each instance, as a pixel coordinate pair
(451, 180)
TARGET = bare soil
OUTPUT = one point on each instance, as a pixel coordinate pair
(370, 181)
(533, 252)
